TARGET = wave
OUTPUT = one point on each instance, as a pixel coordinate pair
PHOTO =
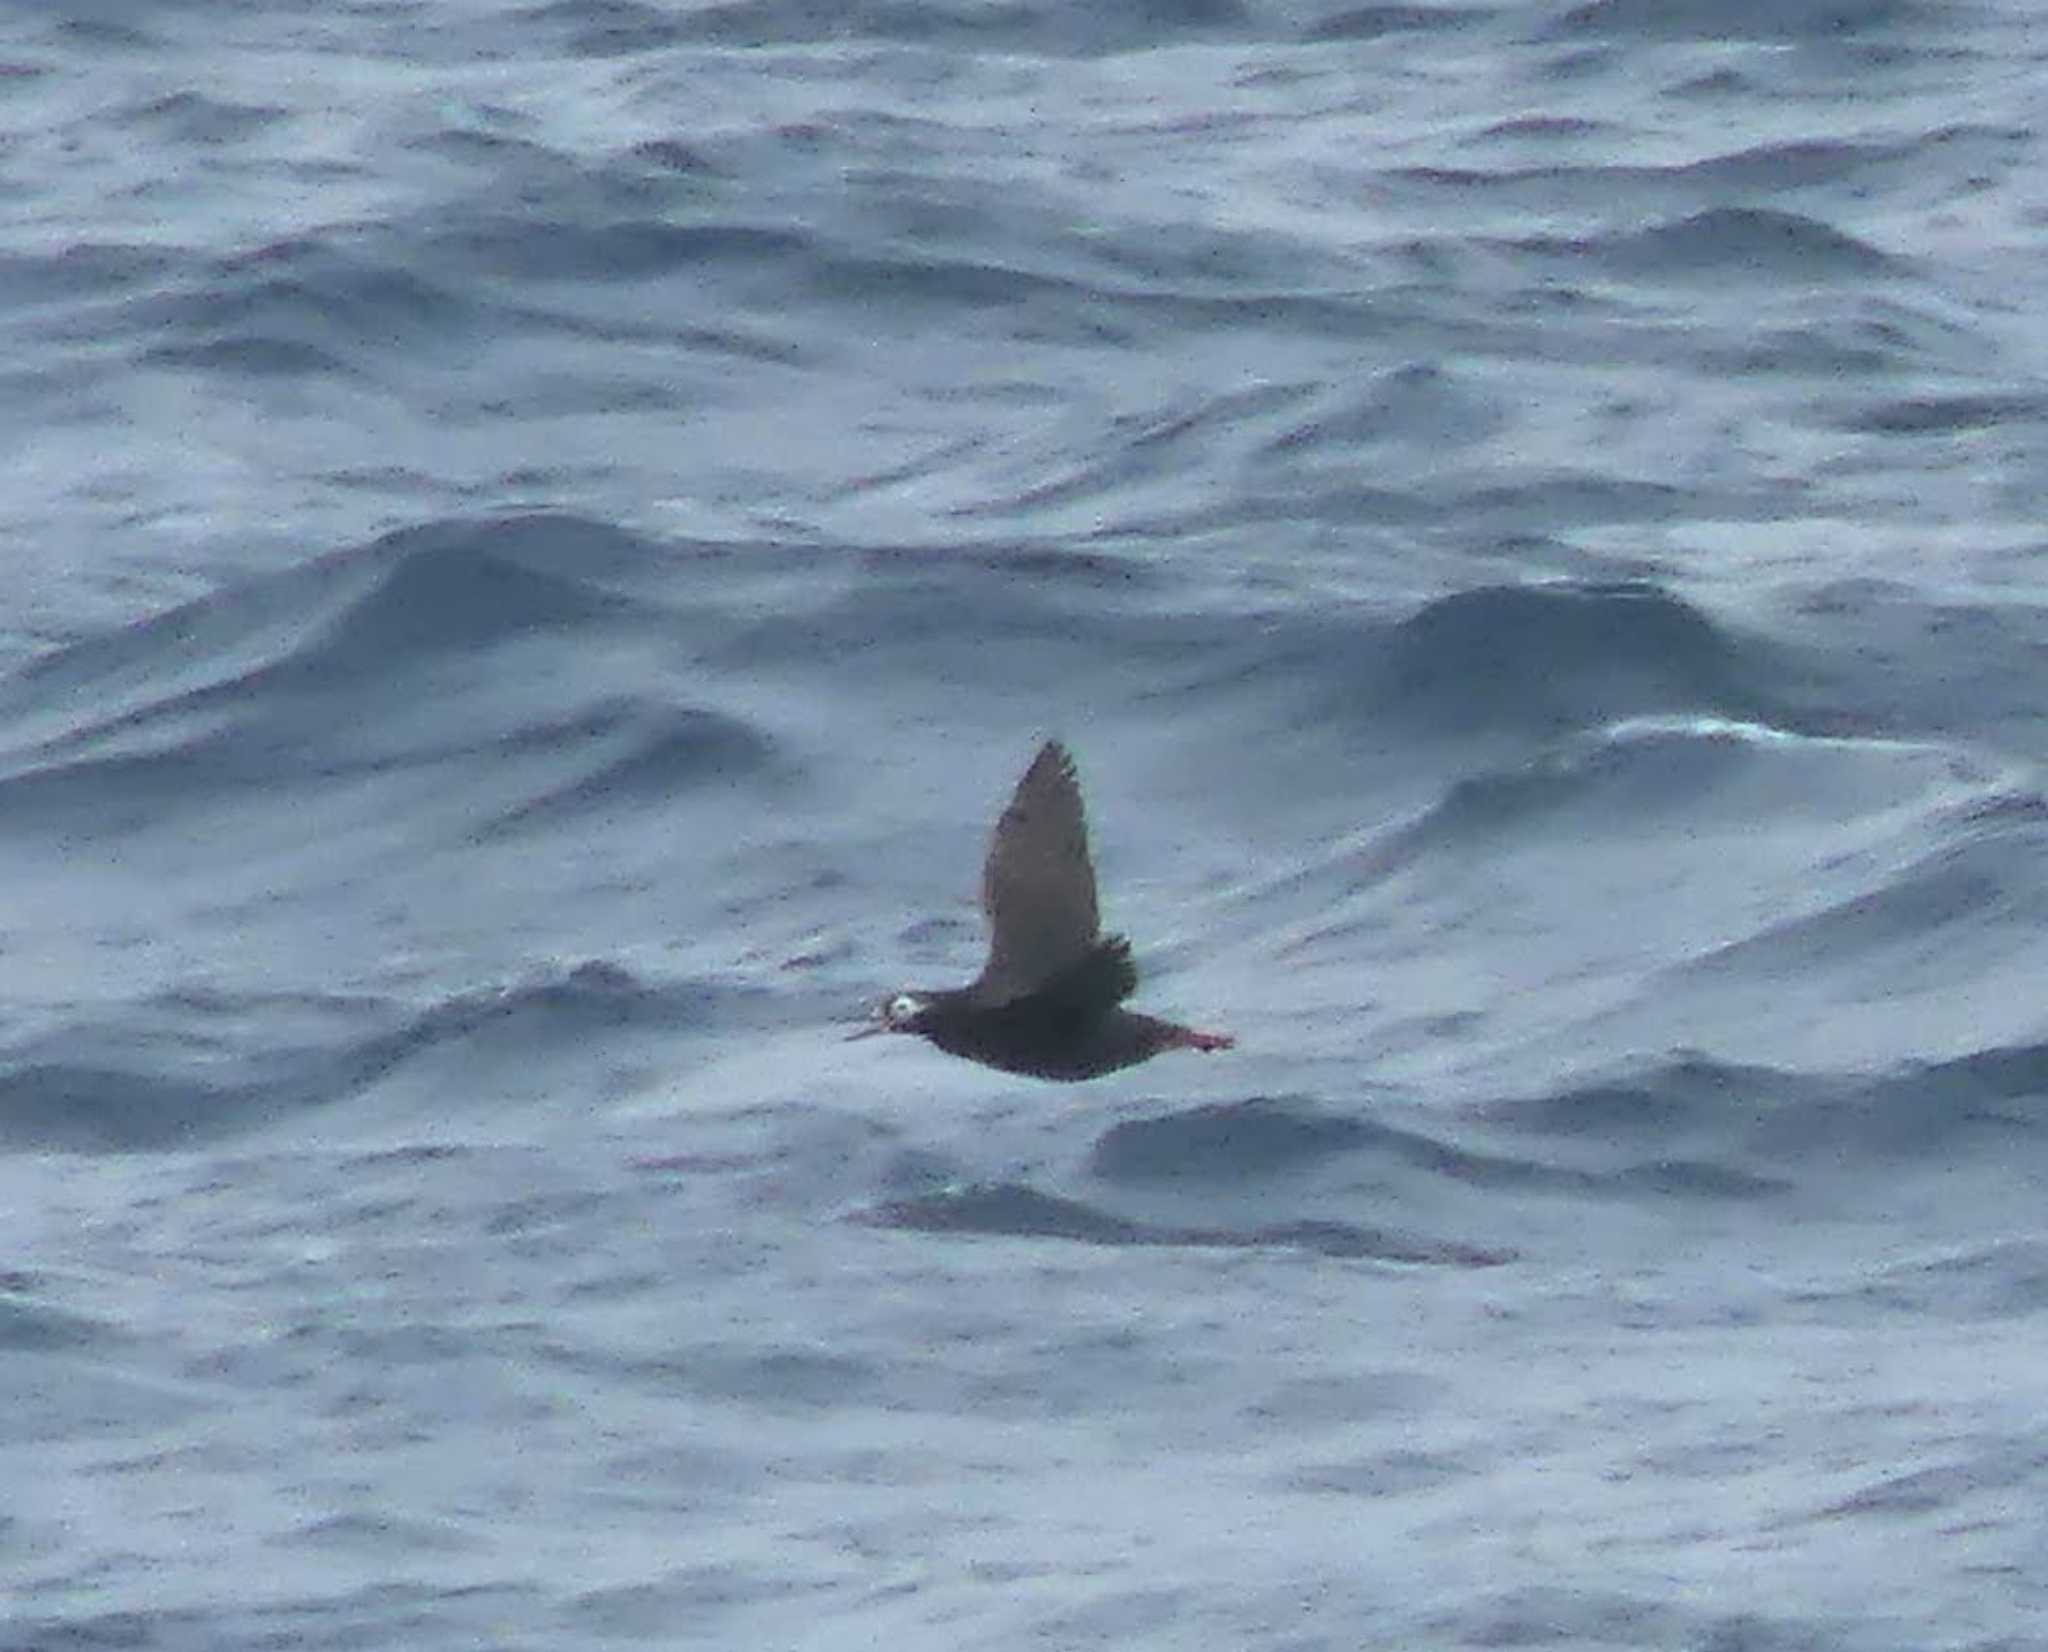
(1947, 415)
(1015, 1210)
(1963, 889)
(417, 591)
(1520, 671)
(1751, 243)
(29, 1325)
(1821, 21)
(292, 675)
(79, 270)
(1378, 21)
(606, 28)
(660, 751)
(1536, 657)
(1729, 1129)
(1707, 771)
(2001, 1279)
(450, 645)
(205, 1084)
(306, 305)
(1232, 1142)
(616, 249)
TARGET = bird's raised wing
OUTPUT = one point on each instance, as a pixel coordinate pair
(1038, 887)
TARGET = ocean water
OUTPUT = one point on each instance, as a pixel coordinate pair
(539, 537)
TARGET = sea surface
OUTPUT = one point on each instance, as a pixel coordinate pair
(537, 540)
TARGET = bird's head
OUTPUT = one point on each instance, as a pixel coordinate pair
(902, 1012)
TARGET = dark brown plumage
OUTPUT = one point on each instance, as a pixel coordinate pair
(1049, 1001)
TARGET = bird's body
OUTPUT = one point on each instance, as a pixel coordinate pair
(1049, 1040)
(1049, 1001)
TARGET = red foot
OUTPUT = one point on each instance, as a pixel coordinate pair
(1207, 1041)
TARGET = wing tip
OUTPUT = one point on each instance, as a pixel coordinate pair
(1054, 750)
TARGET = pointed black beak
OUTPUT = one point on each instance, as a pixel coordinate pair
(868, 1031)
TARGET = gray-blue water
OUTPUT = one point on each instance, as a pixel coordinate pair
(538, 539)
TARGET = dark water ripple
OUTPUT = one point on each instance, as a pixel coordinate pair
(1012, 1210)
(540, 535)
(237, 1079)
